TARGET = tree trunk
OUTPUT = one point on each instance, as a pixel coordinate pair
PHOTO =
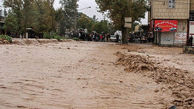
(125, 34)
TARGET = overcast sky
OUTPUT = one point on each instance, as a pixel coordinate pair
(1, 2)
(90, 12)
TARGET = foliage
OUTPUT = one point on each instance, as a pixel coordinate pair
(76, 39)
(11, 23)
(85, 22)
(52, 36)
(102, 26)
(5, 37)
(91, 24)
(41, 16)
(69, 15)
(119, 9)
(36, 14)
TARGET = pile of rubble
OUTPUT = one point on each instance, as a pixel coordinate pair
(135, 62)
(179, 81)
(3, 41)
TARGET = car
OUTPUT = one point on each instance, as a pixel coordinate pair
(113, 38)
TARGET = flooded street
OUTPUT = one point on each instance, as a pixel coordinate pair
(89, 75)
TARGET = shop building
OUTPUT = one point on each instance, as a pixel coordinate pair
(169, 20)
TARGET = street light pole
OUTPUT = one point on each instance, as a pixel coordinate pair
(84, 8)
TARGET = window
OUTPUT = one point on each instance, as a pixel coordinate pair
(192, 16)
(171, 3)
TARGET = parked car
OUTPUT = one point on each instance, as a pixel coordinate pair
(113, 38)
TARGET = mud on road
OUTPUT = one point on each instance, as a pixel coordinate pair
(89, 75)
(177, 80)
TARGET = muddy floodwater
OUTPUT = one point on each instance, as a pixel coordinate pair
(93, 75)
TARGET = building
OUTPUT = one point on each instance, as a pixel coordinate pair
(191, 20)
(169, 21)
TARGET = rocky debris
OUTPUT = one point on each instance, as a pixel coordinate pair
(135, 62)
(189, 50)
(37, 41)
(179, 81)
(172, 107)
(2, 41)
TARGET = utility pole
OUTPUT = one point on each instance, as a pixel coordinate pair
(128, 23)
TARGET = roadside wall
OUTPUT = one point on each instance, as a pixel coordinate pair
(181, 34)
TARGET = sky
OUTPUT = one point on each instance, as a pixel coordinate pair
(1, 2)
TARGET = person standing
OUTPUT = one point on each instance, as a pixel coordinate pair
(101, 37)
(117, 38)
(191, 41)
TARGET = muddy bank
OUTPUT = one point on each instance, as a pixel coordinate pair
(36, 41)
(177, 80)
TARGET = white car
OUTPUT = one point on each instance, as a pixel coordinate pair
(113, 38)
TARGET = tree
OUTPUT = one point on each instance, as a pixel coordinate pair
(70, 13)
(101, 26)
(11, 23)
(91, 24)
(36, 14)
(16, 11)
(85, 22)
(119, 9)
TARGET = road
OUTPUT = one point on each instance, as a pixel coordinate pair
(84, 75)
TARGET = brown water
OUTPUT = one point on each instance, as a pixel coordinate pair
(77, 75)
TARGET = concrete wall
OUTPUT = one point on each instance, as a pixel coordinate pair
(192, 5)
(181, 34)
(160, 9)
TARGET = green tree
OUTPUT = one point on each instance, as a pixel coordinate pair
(16, 14)
(91, 24)
(101, 26)
(85, 22)
(11, 23)
(119, 9)
(70, 13)
(36, 14)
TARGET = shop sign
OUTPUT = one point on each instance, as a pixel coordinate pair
(128, 22)
(166, 25)
(180, 38)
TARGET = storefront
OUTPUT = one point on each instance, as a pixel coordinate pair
(170, 32)
(191, 29)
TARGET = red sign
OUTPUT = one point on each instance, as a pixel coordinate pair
(166, 25)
